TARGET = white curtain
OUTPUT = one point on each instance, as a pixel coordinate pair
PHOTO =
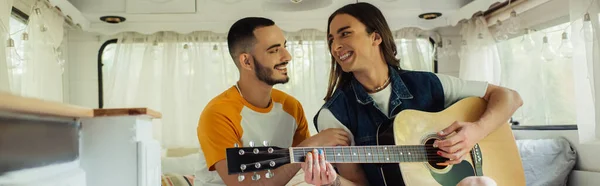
(5, 11)
(174, 74)
(478, 55)
(178, 74)
(42, 70)
(36, 60)
(414, 49)
(586, 70)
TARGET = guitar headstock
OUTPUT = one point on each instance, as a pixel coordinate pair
(254, 159)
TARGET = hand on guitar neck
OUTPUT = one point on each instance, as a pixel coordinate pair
(321, 172)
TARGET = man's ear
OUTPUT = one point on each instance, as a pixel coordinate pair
(244, 60)
(376, 38)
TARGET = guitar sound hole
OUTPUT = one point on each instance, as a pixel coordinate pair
(432, 155)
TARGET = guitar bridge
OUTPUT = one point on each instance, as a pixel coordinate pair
(477, 158)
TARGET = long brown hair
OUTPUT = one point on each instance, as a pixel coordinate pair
(374, 21)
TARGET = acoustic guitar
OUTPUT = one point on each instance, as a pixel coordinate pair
(404, 151)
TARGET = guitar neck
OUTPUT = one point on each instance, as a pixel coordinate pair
(370, 154)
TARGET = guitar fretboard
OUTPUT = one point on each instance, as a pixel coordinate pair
(372, 154)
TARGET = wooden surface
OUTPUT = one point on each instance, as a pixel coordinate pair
(18, 104)
(501, 159)
(126, 112)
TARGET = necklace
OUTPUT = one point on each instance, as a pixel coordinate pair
(377, 89)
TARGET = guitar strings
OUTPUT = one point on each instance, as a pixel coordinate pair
(413, 156)
(374, 158)
(286, 151)
(284, 158)
(343, 150)
(413, 152)
(416, 155)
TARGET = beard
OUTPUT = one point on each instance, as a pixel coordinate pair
(265, 74)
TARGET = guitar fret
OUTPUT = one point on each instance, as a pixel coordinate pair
(371, 154)
(423, 153)
(416, 154)
(344, 157)
(396, 158)
(419, 153)
(412, 153)
(380, 150)
(376, 155)
(385, 154)
(334, 158)
(381, 155)
(364, 155)
(304, 153)
(353, 157)
(408, 154)
(403, 153)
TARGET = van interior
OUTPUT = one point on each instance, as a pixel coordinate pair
(110, 92)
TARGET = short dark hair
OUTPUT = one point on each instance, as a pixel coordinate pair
(240, 37)
(374, 21)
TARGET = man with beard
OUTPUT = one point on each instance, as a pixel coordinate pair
(252, 112)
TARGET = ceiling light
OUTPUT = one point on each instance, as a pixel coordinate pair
(113, 19)
(430, 15)
(296, 1)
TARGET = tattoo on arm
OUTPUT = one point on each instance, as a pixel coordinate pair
(336, 182)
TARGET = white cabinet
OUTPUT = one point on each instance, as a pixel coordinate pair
(120, 150)
(53, 144)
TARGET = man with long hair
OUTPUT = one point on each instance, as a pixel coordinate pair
(252, 112)
(367, 88)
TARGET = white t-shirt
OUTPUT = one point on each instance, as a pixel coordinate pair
(454, 90)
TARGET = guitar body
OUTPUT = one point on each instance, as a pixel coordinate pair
(496, 156)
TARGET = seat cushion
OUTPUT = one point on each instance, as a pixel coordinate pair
(546, 162)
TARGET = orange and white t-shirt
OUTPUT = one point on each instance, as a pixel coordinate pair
(229, 119)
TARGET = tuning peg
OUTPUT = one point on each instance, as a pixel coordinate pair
(241, 177)
(241, 152)
(269, 174)
(255, 177)
(251, 143)
(236, 145)
(265, 143)
(272, 164)
(257, 165)
(256, 151)
(243, 167)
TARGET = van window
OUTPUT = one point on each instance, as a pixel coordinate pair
(546, 86)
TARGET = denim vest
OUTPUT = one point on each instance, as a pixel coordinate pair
(352, 106)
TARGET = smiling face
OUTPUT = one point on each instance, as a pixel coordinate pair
(359, 38)
(352, 47)
(270, 57)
